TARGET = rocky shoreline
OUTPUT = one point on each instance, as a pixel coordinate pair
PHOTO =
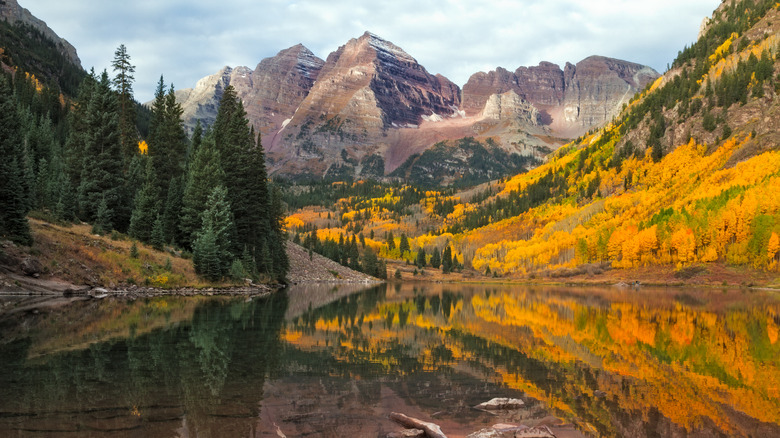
(24, 275)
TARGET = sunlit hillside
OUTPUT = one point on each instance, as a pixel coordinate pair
(687, 175)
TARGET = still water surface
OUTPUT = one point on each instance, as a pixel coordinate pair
(333, 362)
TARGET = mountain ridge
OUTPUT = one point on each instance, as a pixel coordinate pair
(12, 12)
(371, 101)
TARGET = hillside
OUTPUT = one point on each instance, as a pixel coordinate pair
(72, 258)
(27, 43)
(686, 176)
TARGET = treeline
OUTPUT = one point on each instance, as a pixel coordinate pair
(346, 251)
(209, 196)
(737, 17)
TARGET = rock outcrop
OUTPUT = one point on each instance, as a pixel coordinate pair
(569, 101)
(271, 92)
(11, 12)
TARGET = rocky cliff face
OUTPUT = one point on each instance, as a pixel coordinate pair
(570, 101)
(370, 106)
(366, 87)
(11, 12)
(271, 92)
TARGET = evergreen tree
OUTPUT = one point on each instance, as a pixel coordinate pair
(371, 263)
(205, 173)
(172, 210)
(403, 245)
(103, 219)
(245, 177)
(195, 142)
(158, 233)
(74, 152)
(354, 255)
(13, 206)
(28, 178)
(446, 260)
(211, 249)
(123, 81)
(146, 208)
(420, 262)
(390, 241)
(66, 206)
(167, 139)
(436, 258)
(278, 236)
(101, 175)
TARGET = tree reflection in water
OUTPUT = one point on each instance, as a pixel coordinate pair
(666, 362)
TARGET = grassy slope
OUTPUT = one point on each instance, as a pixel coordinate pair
(76, 255)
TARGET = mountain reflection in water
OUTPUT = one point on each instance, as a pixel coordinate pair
(328, 361)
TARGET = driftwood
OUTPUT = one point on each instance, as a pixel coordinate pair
(431, 430)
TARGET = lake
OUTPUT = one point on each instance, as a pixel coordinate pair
(328, 361)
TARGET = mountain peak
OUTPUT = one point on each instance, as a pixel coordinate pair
(384, 48)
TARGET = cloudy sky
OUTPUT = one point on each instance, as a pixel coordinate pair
(185, 40)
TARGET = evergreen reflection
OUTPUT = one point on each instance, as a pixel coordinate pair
(202, 377)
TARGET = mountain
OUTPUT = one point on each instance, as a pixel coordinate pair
(271, 92)
(11, 12)
(370, 108)
(682, 185)
(570, 101)
(27, 43)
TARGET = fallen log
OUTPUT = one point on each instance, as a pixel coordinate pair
(431, 430)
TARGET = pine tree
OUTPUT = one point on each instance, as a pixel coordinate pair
(245, 177)
(195, 142)
(101, 175)
(167, 139)
(211, 249)
(403, 245)
(65, 209)
(74, 153)
(420, 262)
(103, 219)
(204, 174)
(172, 211)
(13, 206)
(436, 258)
(370, 263)
(278, 236)
(390, 241)
(146, 208)
(123, 81)
(446, 260)
(158, 234)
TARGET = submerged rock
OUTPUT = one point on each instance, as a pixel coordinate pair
(535, 432)
(488, 433)
(407, 433)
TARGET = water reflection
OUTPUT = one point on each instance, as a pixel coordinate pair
(655, 363)
(334, 362)
(200, 376)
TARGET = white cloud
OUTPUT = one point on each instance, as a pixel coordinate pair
(186, 40)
